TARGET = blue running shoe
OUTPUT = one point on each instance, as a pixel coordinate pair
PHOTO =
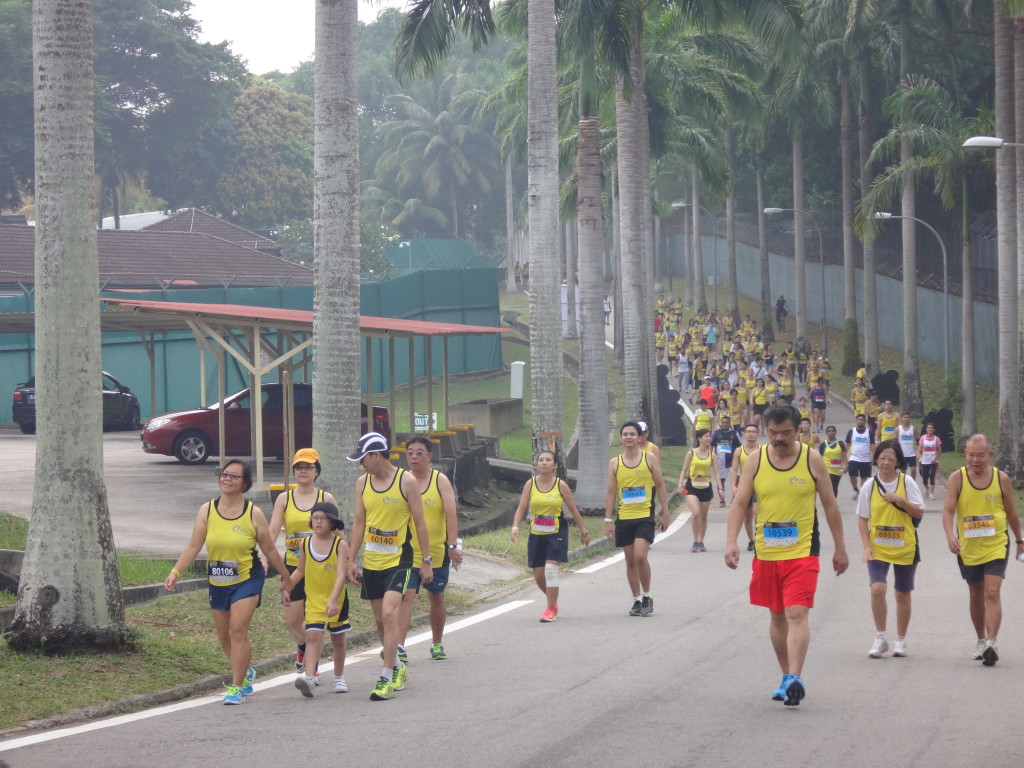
(234, 695)
(780, 693)
(250, 676)
(794, 691)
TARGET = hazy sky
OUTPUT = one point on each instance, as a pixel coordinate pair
(269, 34)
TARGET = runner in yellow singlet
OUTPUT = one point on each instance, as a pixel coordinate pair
(889, 510)
(979, 502)
(697, 482)
(787, 478)
(748, 447)
(858, 396)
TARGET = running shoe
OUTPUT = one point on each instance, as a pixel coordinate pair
(635, 610)
(547, 616)
(300, 661)
(250, 676)
(879, 648)
(695, 547)
(750, 546)
(234, 695)
(795, 691)
(991, 654)
(305, 685)
(856, 493)
(900, 649)
(979, 649)
(702, 547)
(779, 694)
(721, 503)
(398, 677)
(647, 606)
(382, 691)
(931, 495)
(402, 655)
(437, 652)
(340, 686)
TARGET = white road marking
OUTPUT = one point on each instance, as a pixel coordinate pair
(674, 526)
(286, 678)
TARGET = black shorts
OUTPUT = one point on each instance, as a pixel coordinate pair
(911, 461)
(542, 547)
(975, 574)
(760, 408)
(628, 531)
(702, 494)
(818, 406)
(299, 591)
(377, 583)
(859, 469)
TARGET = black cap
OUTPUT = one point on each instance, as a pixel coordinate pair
(332, 514)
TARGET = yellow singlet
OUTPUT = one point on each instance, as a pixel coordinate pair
(635, 489)
(388, 541)
(437, 525)
(760, 397)
(702, 419)
(230, 546)
(296, 527)
(981, 521)
(787, 521)
(833, 456)
(700, 470)
(545, 509)
(887, 426)
(893, 531)
(320, 575)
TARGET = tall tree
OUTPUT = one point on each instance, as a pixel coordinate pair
(336, 240)
(69, 596)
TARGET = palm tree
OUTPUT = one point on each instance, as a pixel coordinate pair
(70, 591)
(336, 375)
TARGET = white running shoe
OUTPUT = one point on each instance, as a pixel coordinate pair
(856, 493)
(340, 686)
(900, 648)
(305, 685)
(979, 649)
(931, 495)
(879, 649)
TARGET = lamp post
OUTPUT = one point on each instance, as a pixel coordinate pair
(885, 216)
(714, 230)
(821, 259)
(987, 142)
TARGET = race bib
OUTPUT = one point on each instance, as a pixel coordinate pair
(384, 542)
(700, 481)
(634, 494)
(979, 526)
(544, 524)
(725, 448)
(222, 571)
(783, 534)
(889, 535)
(293, 542)
(835, 463)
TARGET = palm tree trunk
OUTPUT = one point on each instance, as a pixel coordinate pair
(70, 591)
(618, 336)
(688, 272)
(851, 339)
(336, 375)
(510, 229)
(1009, 353)
(542, 160)
(730, 221)
(1018, 156)
(571, 268)
(593, 383)
(767, 321)
(871, 355)
(700, 297)
(799, 238)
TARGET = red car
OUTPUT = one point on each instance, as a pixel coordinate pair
(191, 436)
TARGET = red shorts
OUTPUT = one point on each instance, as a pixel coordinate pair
(776, 584)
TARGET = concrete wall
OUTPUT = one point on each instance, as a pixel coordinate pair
(491, 416)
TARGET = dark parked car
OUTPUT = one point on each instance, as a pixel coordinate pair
(191, 436)
(120, 406)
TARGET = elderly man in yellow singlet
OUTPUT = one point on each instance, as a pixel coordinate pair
(633, 479)
(787, 476)
(388, 504)
(978, 510)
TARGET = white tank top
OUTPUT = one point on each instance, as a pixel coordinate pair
(907, 442)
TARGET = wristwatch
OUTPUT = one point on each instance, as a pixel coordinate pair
(453, 546)
(428, 560)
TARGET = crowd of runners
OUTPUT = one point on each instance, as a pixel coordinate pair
(406, 529)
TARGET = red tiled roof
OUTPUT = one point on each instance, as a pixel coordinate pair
(195, 220)
(153, 259)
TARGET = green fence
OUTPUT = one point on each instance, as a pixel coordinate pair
(468, 296)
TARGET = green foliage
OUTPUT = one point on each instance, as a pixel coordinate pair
(296, 241)
(268, 178)
(13, 531)
(952, 392)
(16, 146)
(851, 349)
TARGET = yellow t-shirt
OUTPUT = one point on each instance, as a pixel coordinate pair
(387, 538)
(545, 509)
(787, 520)
(700, 470)
(981, 521)
(635, 489)
(320, 575)
(893, 532)
(230, 547)
(437, 525)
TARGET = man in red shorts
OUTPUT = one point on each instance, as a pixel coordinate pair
(787, 477)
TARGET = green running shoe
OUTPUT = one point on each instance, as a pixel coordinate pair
(382, 691)
(398, 677)
(437, 652)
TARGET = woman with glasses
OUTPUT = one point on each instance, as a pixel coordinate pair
(291, 512)
(231, 528)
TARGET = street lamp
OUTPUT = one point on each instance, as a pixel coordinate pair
(987, 142)
(714, 230)
(885, 216)
(821, 258)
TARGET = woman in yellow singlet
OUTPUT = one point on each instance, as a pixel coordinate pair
(695, 481)
(291, 512)
(889, 510)
(548, 546)
(231, 528)
(858, 396)
(759, 402)
(786, 384)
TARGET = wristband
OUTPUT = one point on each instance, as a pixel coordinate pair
(176, 572)
(609, 519)
(1020, 541)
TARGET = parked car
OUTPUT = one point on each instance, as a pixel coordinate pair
(120, 406)
(191, 436)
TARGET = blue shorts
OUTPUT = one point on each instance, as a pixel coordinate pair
(436, 586)
(222, 598)
(543, 547)
(878, 573)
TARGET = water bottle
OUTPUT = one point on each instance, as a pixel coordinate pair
(1021, 557)
(458, 546)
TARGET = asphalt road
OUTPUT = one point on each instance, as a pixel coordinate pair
(689, 685)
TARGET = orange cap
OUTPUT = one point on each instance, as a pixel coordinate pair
(308, 455)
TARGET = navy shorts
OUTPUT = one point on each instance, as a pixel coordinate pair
(628, 531)
(436, 585)
(222, 598)
(540, 548)
(903, 575)
(299, 590)
(858, 469)
(975, 574)
(377, 583)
